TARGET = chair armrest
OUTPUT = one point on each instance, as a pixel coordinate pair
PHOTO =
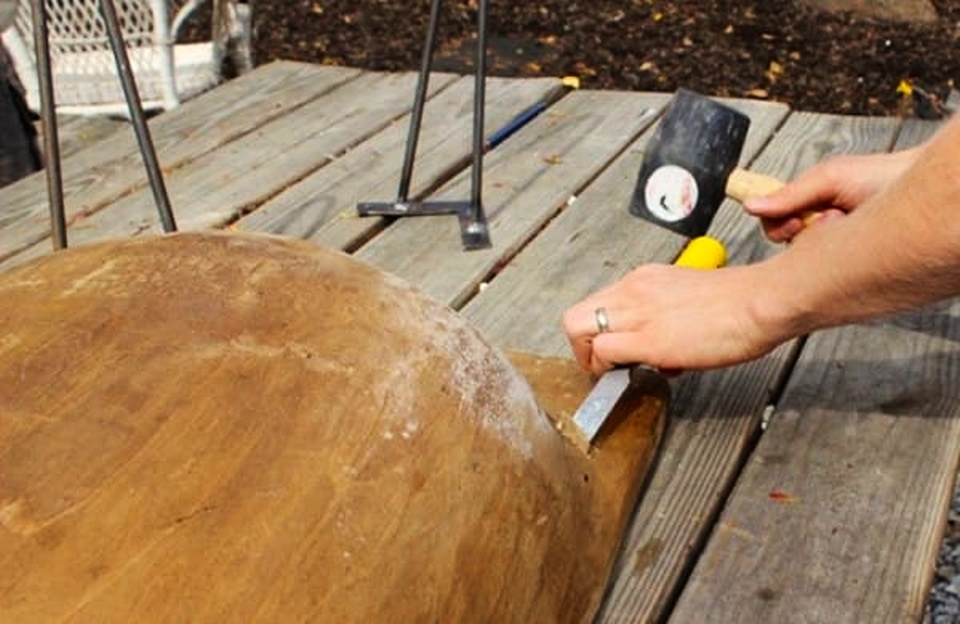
(183, 14)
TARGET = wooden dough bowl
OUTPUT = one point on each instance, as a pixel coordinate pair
(221, 427)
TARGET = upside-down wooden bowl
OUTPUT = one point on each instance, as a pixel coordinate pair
(222, 427)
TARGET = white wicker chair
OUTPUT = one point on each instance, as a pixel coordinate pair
(166, 72)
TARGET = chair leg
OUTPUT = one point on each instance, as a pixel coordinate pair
(242, 31)
(233, 34)
(475, 223)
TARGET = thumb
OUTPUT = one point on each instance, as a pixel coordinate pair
(805, 193)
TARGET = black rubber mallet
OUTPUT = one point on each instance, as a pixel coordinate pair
(690, 165)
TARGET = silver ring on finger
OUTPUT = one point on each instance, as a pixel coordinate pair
(603, 320)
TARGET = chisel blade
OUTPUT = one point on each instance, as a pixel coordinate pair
(609, 391)
(605, 395)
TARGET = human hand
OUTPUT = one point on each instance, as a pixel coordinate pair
(674, 318)
(827, 190)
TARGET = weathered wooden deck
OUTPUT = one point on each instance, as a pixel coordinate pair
(811, 485)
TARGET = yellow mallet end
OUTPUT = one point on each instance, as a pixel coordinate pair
(703, 252)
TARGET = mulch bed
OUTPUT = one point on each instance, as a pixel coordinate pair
(783, 51)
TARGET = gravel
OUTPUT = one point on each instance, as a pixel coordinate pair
(943, 606)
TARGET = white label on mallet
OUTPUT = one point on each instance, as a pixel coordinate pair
(671, 193)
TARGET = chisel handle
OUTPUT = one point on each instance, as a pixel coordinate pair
(743, 184)
(703, 252)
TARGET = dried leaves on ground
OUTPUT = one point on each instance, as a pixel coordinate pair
(784, 51)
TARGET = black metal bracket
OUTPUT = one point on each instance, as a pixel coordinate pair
(474, 230)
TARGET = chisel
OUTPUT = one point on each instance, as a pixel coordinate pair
(702, 252)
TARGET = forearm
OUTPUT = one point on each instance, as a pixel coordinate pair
(899, 250)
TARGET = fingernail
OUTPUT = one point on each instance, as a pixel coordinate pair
(756, 203)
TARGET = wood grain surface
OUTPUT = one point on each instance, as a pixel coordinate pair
(214, 427)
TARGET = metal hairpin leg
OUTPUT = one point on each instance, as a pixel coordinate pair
(135, 106)
(474, 231)
(48, 118)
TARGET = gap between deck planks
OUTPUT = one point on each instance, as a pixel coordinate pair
(866, 439)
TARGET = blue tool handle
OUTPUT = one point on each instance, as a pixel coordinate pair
(515, 124)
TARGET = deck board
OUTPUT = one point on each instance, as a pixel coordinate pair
(223, 182)
(866, 440)
(322, 206)
(108, 170)
(594, 242)
(868, 471)
(527, 182)
(76, 132)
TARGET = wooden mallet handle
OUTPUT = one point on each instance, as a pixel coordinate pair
(743, 184)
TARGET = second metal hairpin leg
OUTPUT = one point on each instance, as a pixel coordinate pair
(474, 231)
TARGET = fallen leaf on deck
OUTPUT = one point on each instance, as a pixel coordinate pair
(782, 497)
(553, 159)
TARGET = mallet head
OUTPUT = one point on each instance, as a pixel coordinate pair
(683, 179)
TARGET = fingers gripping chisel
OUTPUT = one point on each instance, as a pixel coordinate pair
(700, 253)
